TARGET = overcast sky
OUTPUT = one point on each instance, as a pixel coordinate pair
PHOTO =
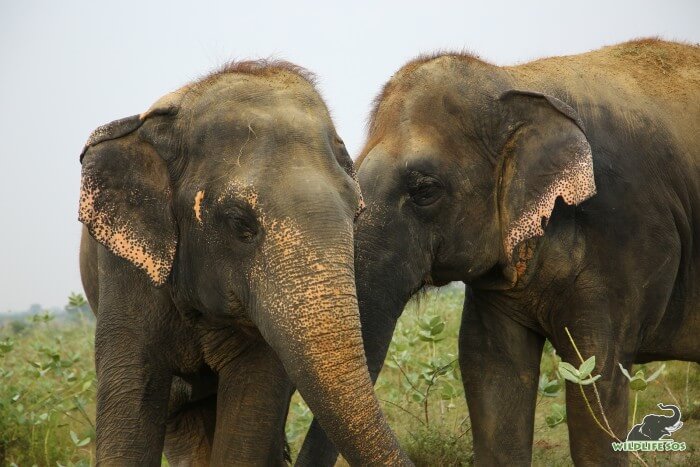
(67, 67)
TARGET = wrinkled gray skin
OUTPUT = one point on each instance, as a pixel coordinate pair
(217, 255)
(466, 161)
(655, 427)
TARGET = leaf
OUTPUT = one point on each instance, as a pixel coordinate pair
(556, 416)
(437, 329)
(448, 392)
(624, 372)
(74, 437)
(83, 442)
(656, 374)
(586, 367)
(638, 384)
(425, 337)
(551, 388)
(590, 380)
(547, 347)
(435, 320)
(568, 372)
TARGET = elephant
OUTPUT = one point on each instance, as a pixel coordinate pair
(217, 253)
(565, 194)
(654, 427)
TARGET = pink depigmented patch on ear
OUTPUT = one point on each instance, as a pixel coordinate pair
(121, 240)
(198, 205)
(575, 184)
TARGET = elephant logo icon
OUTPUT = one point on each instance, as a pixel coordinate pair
(654, 427)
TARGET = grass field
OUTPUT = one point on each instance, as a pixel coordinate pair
(47, 389)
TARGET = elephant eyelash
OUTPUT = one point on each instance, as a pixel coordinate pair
(423, 189)
(245, 228)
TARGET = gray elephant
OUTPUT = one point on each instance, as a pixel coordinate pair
(654, 427)
(217, 252)
(565, 193)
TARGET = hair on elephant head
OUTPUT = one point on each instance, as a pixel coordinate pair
(236, 196)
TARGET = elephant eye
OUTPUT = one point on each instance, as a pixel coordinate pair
(243, 224)
(423, 189)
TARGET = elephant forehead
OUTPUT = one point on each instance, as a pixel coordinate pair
(241, 190)
(258, 134)
(239, 97)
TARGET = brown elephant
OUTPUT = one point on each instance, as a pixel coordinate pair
(217, 253)
(565, 193)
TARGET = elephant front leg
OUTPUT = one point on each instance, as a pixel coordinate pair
(591, 431)
(132, 401)
(190, 429)
(252, 403)
(500, 364)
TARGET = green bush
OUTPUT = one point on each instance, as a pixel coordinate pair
(421, 393)
(47, 391)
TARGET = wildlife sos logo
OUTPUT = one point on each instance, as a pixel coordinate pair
(651, 434)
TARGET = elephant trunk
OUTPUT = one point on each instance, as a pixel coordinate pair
(381, 301)
(672, 419)
(308, 313)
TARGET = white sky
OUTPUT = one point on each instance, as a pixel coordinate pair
(67, 67)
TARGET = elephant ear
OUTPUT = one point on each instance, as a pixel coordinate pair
(545, 156)
(125, 193)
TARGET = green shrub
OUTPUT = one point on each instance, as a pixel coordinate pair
(47, 389)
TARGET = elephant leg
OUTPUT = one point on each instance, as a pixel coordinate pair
(190, 429)
(132, 400)
(251, 408)
(500, 365)
(589, 444)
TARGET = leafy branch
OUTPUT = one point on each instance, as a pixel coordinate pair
(582, 376)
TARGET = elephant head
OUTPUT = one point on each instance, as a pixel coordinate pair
(654, 427)
(460, 173)
(236, 195)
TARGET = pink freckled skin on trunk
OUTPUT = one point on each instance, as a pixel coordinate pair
(328, 303)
